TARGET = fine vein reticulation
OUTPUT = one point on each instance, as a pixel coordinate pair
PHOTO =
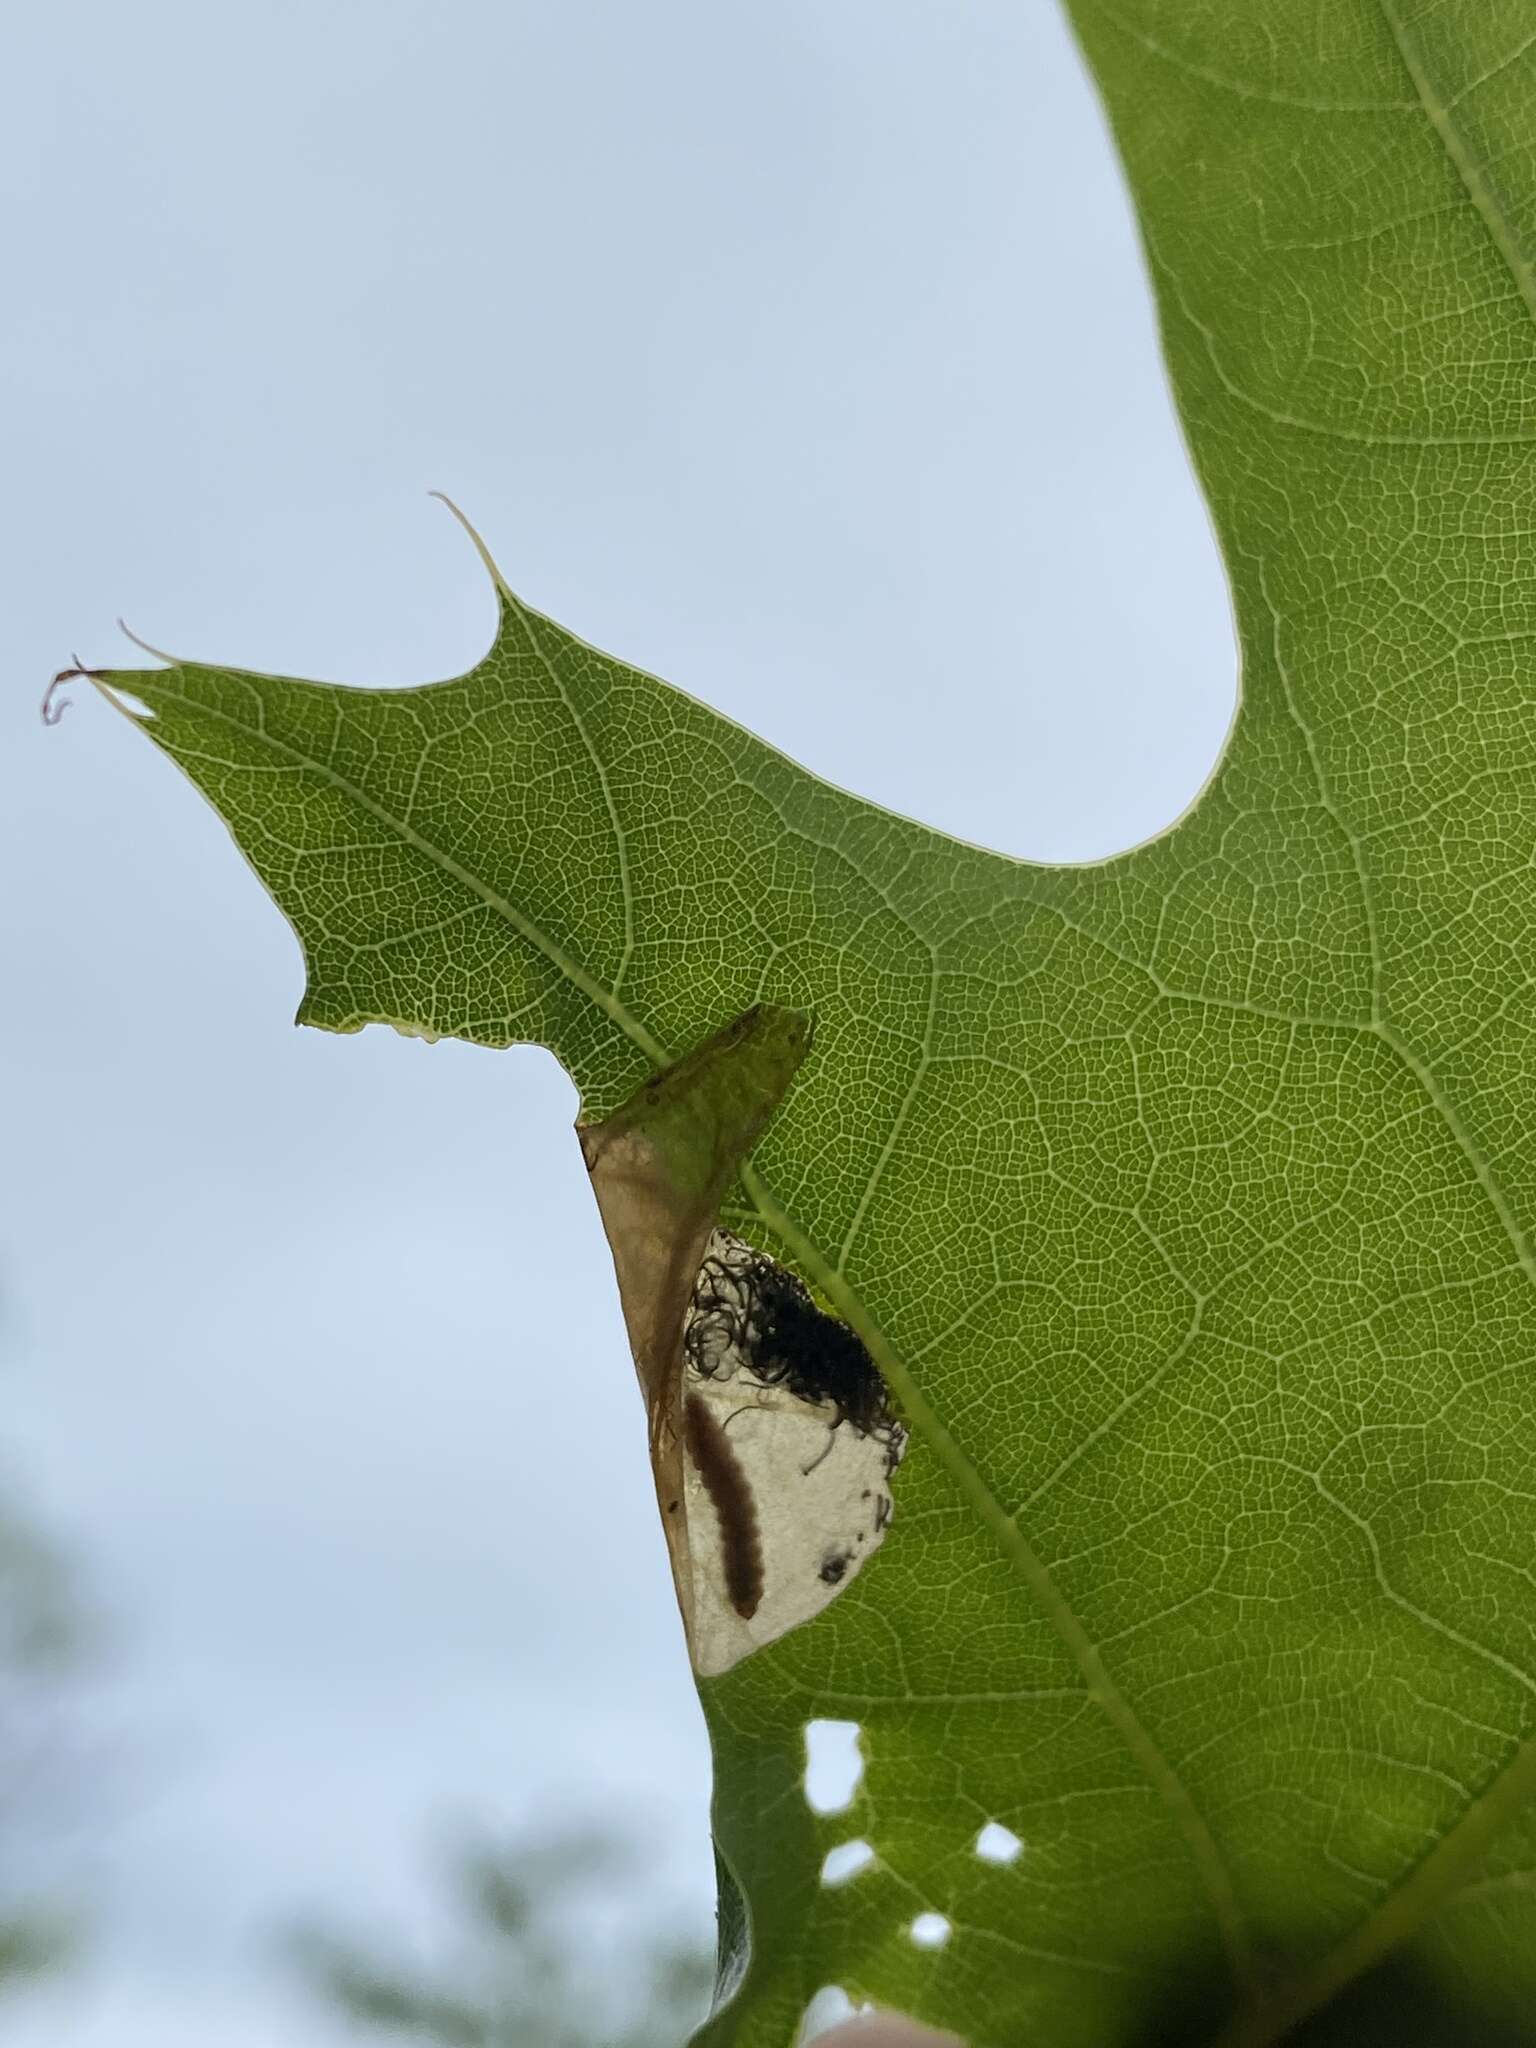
(1181, 1200)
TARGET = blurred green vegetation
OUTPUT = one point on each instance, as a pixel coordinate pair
(543, 1958)
(42, 1638)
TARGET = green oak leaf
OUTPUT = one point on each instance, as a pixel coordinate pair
(1186, 1198)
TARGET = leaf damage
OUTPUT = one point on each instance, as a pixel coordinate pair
(772, 1436)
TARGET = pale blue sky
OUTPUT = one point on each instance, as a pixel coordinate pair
(800, 353)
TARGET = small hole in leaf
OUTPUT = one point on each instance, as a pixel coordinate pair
(930, 1930)
(828, 2009)
(846, 1861)
(997, 1844)
(834, 1764)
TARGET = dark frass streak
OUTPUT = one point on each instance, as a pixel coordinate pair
(741, 1548)
(756, 1310)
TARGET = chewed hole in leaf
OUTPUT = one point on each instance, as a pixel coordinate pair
(997, 1844)
(834, 1764)
(845, 1862)
(930, 1930)
(828, 2009)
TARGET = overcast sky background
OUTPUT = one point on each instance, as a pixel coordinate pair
(800, 353)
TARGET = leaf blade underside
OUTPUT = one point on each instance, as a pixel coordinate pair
(1185, 1198)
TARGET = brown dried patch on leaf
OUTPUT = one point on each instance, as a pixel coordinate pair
(660, 1167)
(771, 1433)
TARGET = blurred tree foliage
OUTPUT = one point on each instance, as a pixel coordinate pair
(541, 1965)
(41, 1640)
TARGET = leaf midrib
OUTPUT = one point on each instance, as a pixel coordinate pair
(1437, 110)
